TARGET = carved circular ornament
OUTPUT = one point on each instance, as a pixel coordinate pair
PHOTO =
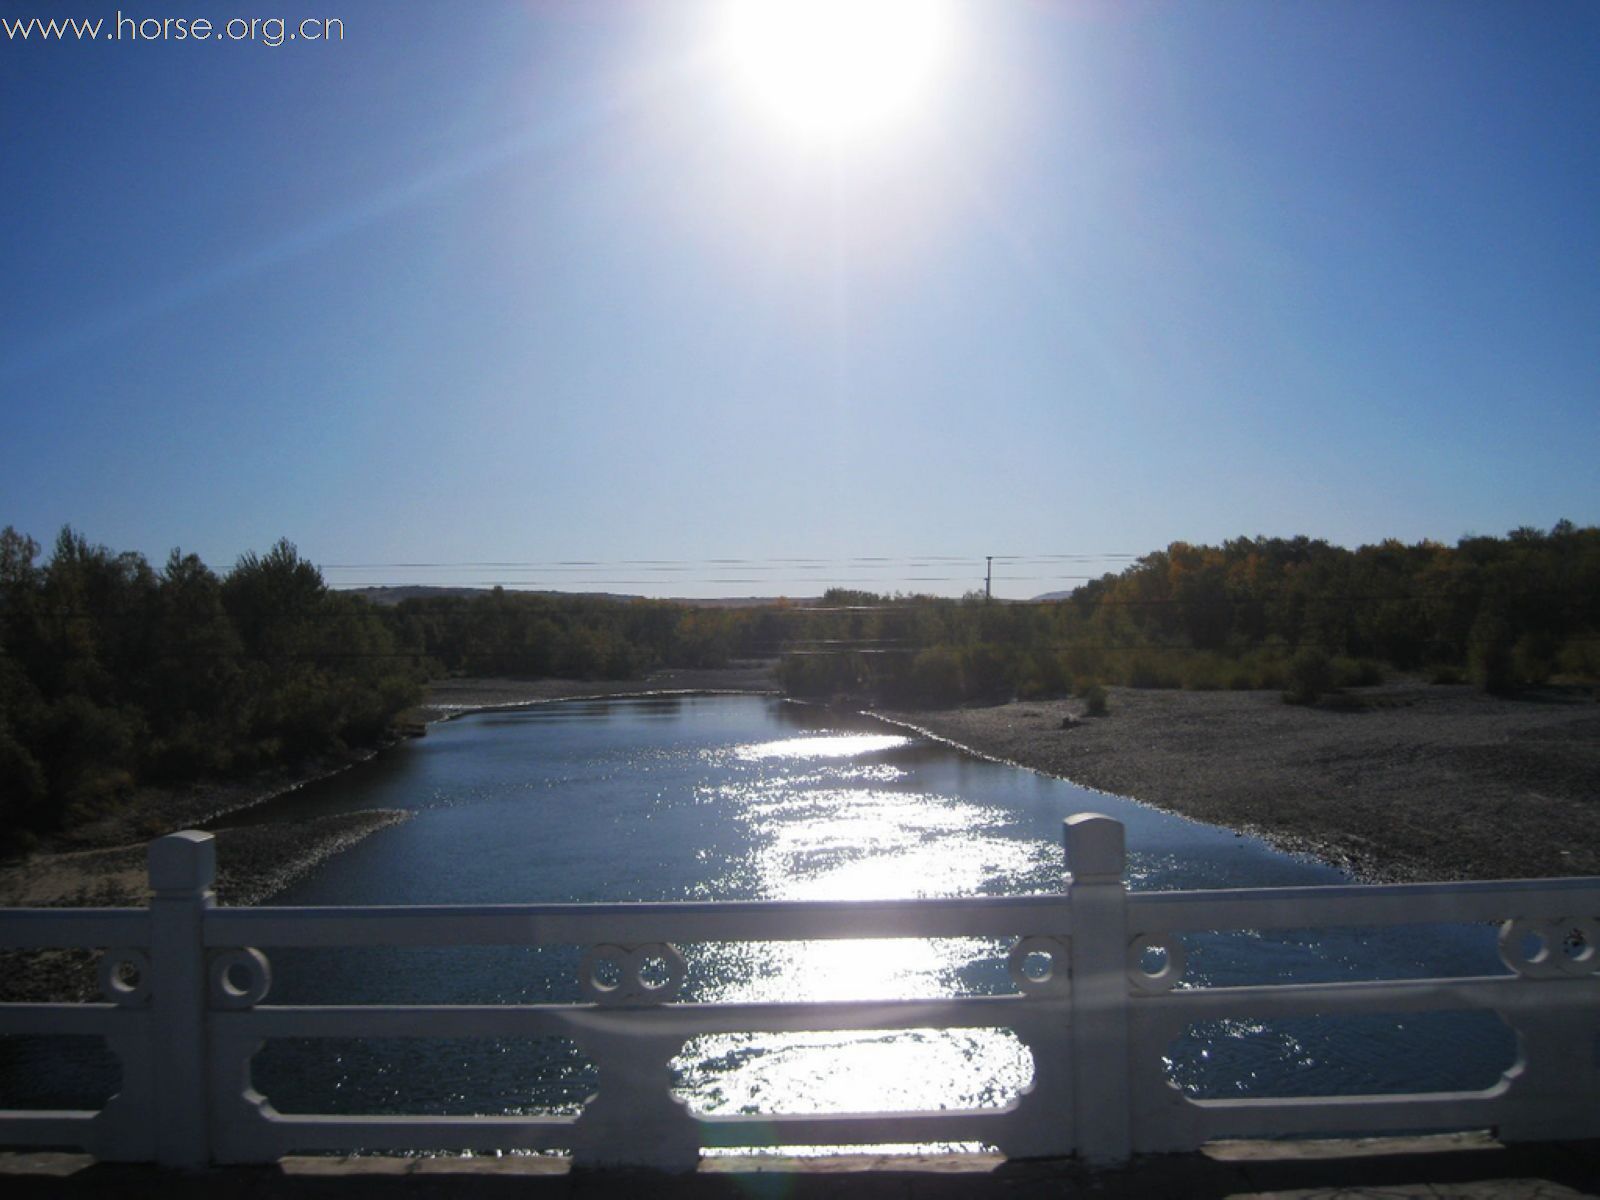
(651, 973)
(1172, 965)
(125, 977)
(1584, 957)
(1026, 953)
(1551, 948)
(239, 978)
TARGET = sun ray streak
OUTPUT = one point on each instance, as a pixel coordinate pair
(551, 136)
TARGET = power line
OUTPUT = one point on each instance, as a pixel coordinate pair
(1571, 598)
(763, 563)
(779, 648)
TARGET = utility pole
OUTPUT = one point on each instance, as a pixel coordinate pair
(988, 577)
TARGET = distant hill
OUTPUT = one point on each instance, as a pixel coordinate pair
(1053, 596)
(394, 595)
(422, 591)
(746, 601)
(426, 591)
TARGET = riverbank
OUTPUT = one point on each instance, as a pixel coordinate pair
(102, 862)
(1405, 781)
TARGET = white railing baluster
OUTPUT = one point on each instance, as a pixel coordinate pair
(182, 869)
(634, 1120)
(1099, 953)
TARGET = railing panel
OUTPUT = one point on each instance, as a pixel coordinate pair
(580, 924)
(1508, 994)
(409, 1020)
(77, 928)
(38, 1127)
(857, 1129)
(1348, 1114)
(675, 1020)
(20, 1020)
(298, 1133)
(1361, 905)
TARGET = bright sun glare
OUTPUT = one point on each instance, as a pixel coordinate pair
(837, 71)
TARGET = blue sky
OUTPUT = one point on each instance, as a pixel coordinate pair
(541, 282)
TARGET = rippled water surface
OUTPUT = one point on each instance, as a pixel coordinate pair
(739, 797)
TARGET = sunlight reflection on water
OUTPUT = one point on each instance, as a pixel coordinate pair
(836, 745)
(840, 830)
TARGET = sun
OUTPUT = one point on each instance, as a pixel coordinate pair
(838, 71)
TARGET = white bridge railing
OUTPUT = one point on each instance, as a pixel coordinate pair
(185, 983)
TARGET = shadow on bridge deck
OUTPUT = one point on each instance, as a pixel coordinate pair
(1465, 1165)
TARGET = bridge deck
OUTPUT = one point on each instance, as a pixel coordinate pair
(1457, 1165)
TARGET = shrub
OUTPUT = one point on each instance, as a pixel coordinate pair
(96, 792)
(989, 671)
(1043, 673)
(1580, 656)
(1268, 668)
(1151, 671)
(1084, 660)
(1356, 672)
(1274, 673)
(1207, 672)
(1030, 685)
(1533, 658)
(1238, 679)
(936, 677)
(1445, 673)
(1094, 700)
(188, 752)
(819, 676)
(22, 786)
(1310, 675)
(1489, 652)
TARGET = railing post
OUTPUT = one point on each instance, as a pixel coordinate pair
(182, 868)
(1098, 954)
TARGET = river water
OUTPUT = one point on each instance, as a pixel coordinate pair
(745, 797)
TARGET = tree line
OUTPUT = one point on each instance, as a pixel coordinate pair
(115, 674)
(537, 634)
(1250, 613)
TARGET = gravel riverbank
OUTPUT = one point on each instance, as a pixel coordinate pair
(1399, 782)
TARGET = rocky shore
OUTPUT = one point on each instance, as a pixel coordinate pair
(1404, 781)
